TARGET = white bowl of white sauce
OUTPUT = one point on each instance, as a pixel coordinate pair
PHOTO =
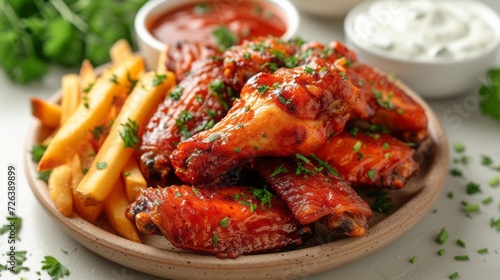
(439, 48)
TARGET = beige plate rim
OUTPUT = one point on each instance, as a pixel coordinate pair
(283, 265)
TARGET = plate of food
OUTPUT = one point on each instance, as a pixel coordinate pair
(274, 158)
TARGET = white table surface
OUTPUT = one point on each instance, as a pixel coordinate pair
(41, 236)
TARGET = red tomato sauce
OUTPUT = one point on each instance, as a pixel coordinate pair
(197, 21)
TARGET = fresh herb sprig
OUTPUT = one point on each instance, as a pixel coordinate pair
(38, 33)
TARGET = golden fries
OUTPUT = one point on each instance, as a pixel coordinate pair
(70, 96)
(133, 179)
(87, 77)
(120, 51)
(91, 110)
(114, 154)
(48, 113)
(60, 189)
(115, 206)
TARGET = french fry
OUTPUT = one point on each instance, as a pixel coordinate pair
(87, 77)
(70, 96)
(112, 156)
(89, 213)
(114, 207)
(120, 51)
(48, 113)
(133, 179)
(162, 67)
(93, 108)
(60, 189)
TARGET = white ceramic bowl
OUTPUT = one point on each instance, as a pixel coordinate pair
(325, 8)
(431, 78)
(150, 47)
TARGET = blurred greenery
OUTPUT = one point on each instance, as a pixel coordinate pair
(38, 33)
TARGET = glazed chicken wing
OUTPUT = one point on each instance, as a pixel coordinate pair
(370, 159)
(382, 102)
(225, 222)
(262, 54)
(313, 194)
(199, 101)
(280, 114)
(181, 56)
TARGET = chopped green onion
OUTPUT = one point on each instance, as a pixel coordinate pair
(482, 251)
(414, 259)
(454, 275)
(461, 243)
(442, 236)
(495, 182)
(458, 147)
(441, 252)
(462, 258)
(471, 208)
(487, 200)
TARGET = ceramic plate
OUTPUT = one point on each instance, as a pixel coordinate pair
(325, 251)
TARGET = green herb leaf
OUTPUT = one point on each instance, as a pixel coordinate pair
(224, 37)
(54, 268)
(130, 134)
(490, 95)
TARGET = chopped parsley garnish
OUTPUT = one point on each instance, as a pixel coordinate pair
(490, 95)
(382, 203)
(456, 173)
(413, 259)
(88, 88)
(441, 252)
(215, 240)
(495, 224)
(101, 165)
(371, 174)
(98, 131)
(236, 149)
(384, 103)
(176, 93)
(472, 188)
(280, 169)
(114, 79)
(487, 200)
(460, 243)
(302, 158)
(262, 89)
(37, 152)
(201, 8)
(129, 134)
(325, 165)
(223, 222)
(224, 37)
(217, 89)
(264, 195)
(159, 79)
(309, 70)
(291, 61)
(17, 221)
(247, 56)
(54, 268)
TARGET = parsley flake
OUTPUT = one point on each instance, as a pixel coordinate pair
(129, 134)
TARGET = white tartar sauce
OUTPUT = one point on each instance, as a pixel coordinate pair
(424, 29)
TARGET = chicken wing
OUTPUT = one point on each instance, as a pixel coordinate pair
(382, 102)
(195, 104)
(369, 159)
(280, 114)
(262, 54)
(225, 222)
(181, 56)
(313, 194)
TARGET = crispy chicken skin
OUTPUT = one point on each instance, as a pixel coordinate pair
(199, 101)
(382, 102)
(226, 221)
(280, 114)
(316, 195)
(369, 160)
(181, 56)
(262, 54)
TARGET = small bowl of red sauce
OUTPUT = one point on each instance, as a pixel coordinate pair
(220, 23)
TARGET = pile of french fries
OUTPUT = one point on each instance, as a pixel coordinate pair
(93, 171)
